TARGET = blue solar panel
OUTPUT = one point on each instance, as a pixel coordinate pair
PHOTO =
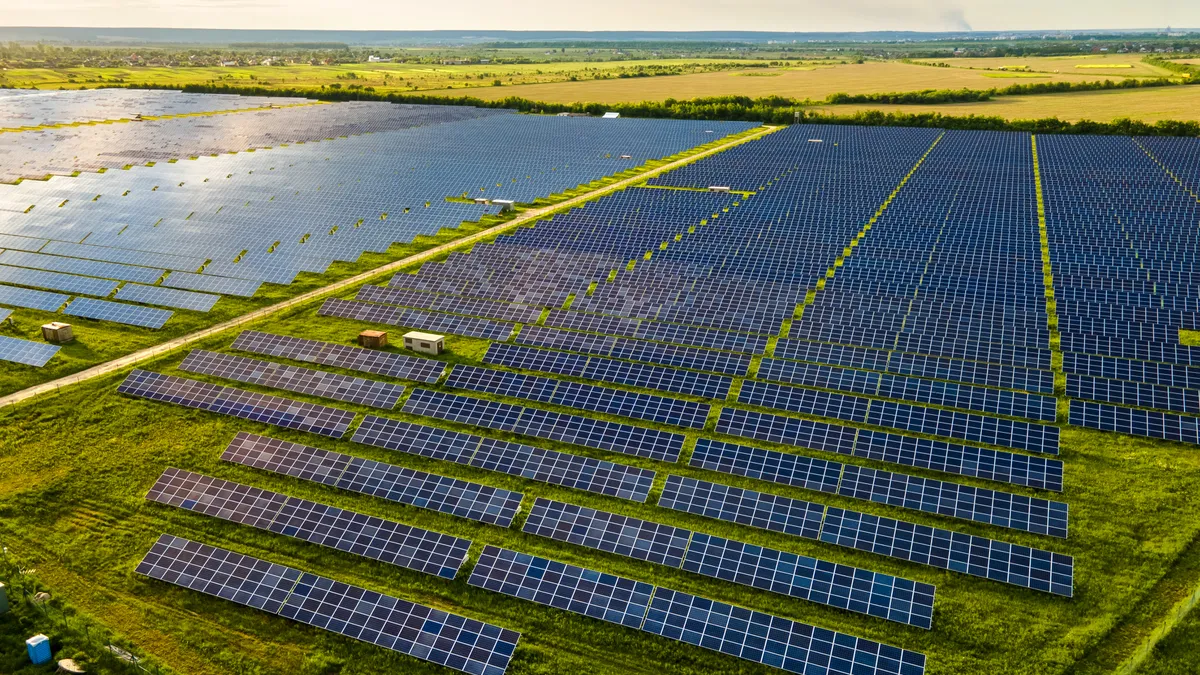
(548, 466)
(1135, 422)
(622, 438)
(230, 401)
(746, 507)
(90, 268)
(26, 352)
(391, 542)
(130, 315)
(56, 281)
(581, 396)
(212, 284)
(30, 299)
(341, 356)
(429, 634)
(393, 483)
(412, 318)
(167, 297)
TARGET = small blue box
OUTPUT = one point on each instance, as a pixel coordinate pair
(39, 649)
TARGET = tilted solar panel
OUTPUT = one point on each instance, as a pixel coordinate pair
(131, 315)
(341, 356)
(25, 352)
(406, 486)
(293, 378)
(428, 634)
(391, 542)
(238, 403)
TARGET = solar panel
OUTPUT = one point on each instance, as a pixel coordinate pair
(739, 632)
(293, 378)
(120, 255)
(56, 281)
(609, 370)
(26, 352)
(944, 549)
(412, 318)
(424, 490)
(167, 297)
(131, 315)
(771, 640)
(1145, 423)
(547, 466)
(857, 590)
(209, 283)
(778, 467)
(384, 540)
(611, 532)
(786, 430)
(746, 507)
(964, 460)
(428, 634)
(585, 431)
(976, 428)
(796, 576)
(90, 268)
(30, 299)
(582, 396)
(341, 356)
(1002, 509)
(238, 403)
(566, 587)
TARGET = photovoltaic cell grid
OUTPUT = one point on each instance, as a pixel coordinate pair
(25, 352)
(31, 299)
(167, 297)
(582, 396)
(514, 459)
(742, 633)
(391, 542)
(1002, 509)
(293, 378)
(622, 438)
(1023, 566)
(397, 484)
(238, 403)
(835, 438)
(826, 583)
(609, 370)
(341, 356)
(413, 318)
(131, 315)
(428, 634)
(632, 349)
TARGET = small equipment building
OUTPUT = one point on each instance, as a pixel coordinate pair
(426, 343)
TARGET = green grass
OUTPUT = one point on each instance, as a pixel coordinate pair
(74, 470)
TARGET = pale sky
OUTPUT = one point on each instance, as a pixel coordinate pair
(775, 15)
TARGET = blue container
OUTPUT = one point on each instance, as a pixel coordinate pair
(39, 649)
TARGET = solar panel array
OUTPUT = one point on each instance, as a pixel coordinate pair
(328, 183)
(515, 459)
(819, 581)
(340, 356)
(585, 431)
(582, 396)
(391, 542)
(1120, 215)
(429, 634)
(130, 315)
(393, 483)
(293, 378)
(249, 405)
(743, 633)
(26, 352)
(1023, 566)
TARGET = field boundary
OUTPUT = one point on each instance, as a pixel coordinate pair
(527, 217)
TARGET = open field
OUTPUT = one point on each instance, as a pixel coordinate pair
(1116, 65)
(1147, 105)
(816, 84)
(381, 76)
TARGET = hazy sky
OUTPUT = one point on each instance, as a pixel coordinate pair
(782, 15)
